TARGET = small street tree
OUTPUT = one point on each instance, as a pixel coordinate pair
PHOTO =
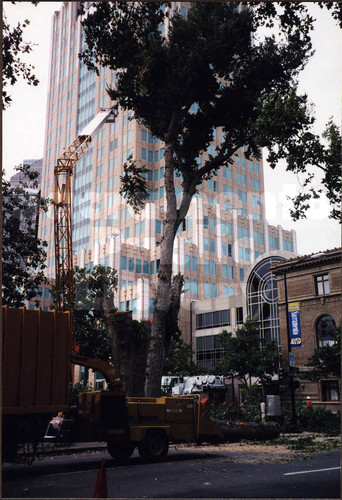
(178, 358)
(210, 71)
(325, 361)
(247, 356)
(23, 253)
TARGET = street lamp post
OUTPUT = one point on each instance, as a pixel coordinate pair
(292, 389)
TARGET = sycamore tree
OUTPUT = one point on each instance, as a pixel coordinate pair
(241, 83)
(23, 252)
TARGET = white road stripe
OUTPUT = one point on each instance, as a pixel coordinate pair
(72, 472)
(309, 471)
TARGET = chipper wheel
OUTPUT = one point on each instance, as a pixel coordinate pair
(120, 450)
(154, 447)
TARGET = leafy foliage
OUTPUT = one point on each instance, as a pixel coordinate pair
(336, 10)
(13, 46)
(226, 412)
(23, 253)
(248, 411)
(210, 70)
(247, 355)
(328, 161)
(90, 329)
(308, 419)
(248, 89)
(77, 389)
(134, 185)
(313, 420)
(178, 359)
(325, 361)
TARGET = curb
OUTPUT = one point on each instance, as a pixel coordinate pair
(78, 448)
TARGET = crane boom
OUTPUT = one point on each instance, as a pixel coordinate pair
(63, 172)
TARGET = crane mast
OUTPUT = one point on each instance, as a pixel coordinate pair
(63, 172)
(63, 221)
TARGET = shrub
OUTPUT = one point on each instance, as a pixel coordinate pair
(248, 411)
(308, 419)
(224, 411)
(313, 420)
(77, 389)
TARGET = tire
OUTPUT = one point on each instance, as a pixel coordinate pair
(120, 450)
(154, 447)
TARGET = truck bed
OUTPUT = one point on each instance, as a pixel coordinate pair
(36, 369)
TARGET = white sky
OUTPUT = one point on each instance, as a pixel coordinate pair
(24, 122)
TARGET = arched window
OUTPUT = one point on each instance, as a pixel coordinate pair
(325, 328)
(262, 298)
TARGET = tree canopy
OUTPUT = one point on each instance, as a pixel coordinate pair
(325, 361)
(247, 355)
(23, 252)
(178, 358)
(184, 77)
(13, 47)
(213, 58)
(90, 329)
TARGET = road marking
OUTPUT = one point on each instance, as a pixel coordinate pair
(72, 472)
(309, 471)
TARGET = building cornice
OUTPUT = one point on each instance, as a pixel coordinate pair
(308, 261)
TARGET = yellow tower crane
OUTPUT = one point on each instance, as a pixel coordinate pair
(63, 207)
(63, 197)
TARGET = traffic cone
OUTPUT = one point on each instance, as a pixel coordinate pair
(100, 490)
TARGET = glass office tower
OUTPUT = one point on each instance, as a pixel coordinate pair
(223, 233)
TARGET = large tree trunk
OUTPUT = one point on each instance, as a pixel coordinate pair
(129, 348)
(168, 325)
(172, 317)
(159, 336)
(236, 431)
(166, 307)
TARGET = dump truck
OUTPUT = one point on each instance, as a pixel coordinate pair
(37, 380)
(36, 374)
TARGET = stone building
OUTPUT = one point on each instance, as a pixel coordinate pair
(311, 287)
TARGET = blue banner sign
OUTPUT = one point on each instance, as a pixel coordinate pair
(294, 322)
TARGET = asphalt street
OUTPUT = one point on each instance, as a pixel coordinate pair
(184, 474)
